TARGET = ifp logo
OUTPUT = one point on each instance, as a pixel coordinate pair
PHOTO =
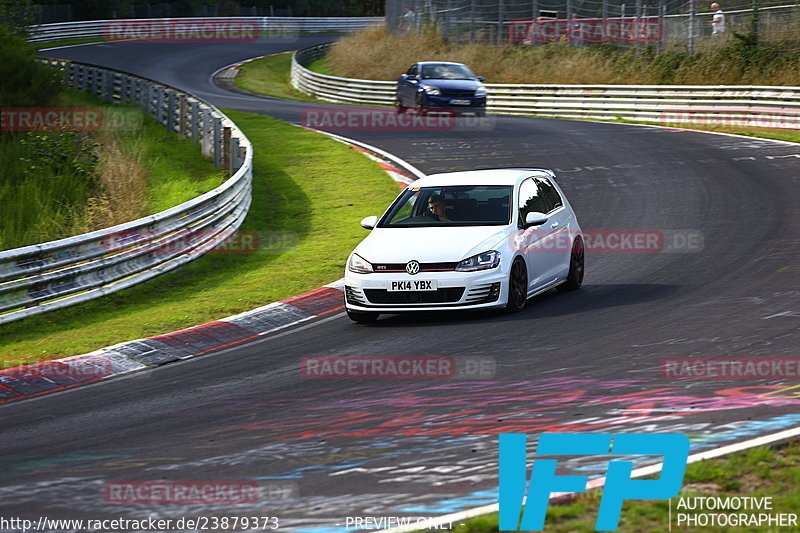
(619, 486)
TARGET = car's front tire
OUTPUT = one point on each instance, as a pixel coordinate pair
(517, 286)
(362, 317)
(419, 105)
(576, 267)
(398, 106)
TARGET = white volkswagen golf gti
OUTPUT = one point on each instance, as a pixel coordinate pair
(466, 240)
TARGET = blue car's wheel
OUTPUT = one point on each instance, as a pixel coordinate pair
(398, 105)
(419, 105)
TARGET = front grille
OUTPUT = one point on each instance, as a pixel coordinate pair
(423, 267)
(439, 296)
(457, 94)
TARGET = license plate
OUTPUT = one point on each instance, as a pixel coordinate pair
(412, 285)
(460, 102)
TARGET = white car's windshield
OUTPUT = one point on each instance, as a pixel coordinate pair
(461, 205)
(447, 72)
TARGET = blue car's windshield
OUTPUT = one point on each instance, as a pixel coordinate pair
(461, 205)
(446, 72)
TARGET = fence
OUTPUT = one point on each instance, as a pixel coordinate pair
(579, 22)
(48, 276)
(260, 25)
(671, 105)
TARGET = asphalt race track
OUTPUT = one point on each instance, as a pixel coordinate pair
(584, 361)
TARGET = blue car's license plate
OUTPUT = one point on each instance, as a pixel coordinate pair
(459, 102)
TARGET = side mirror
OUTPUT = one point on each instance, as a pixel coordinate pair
(411, 77)
(481, 78)
(534, 218)
(369, 222)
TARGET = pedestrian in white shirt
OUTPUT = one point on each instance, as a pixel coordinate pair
(718, 21)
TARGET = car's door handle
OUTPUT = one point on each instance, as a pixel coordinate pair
(554, 225)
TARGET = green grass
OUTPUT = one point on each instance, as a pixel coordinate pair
(50, 201)
(320, 66)
(176, 170)
(270, 76)
(759, 472)
(67, 42)
(309, 192)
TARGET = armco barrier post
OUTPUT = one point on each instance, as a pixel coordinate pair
(171, 110)
(182, 109)
(205, 135)
(217, 140)
(124, 87)
(95, 81)
(108, 86)
(235, 164)
(195, 122)
(160, 106)
(226, 149)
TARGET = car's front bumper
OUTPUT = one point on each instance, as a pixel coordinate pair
(456, 290)
(476, 103)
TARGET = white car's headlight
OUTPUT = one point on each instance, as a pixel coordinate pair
(431, 90)
(480, 91)
(482, 261)
(358, 264)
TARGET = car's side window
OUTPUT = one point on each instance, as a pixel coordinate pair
(412, 71)
(550, 194)
(531, 199)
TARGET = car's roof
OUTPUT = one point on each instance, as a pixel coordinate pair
(494, 176)
(438, 63)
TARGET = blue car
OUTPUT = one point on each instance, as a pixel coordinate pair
(440, 85)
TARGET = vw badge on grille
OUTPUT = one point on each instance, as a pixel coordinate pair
(412, 267)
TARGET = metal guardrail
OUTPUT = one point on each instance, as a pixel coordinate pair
(668, 104)
(112, 27)
(56, 274)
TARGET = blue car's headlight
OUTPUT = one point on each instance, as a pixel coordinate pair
(482, 261)
(434, 91)
(358, 264)
(480, 91)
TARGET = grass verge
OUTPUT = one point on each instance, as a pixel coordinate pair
(270, 76)
(309, 194)
(320, 66)
(67, 42)
(57, 184)
(735, 59)
(758, 472)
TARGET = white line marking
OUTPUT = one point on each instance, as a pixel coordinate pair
(417, 172)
